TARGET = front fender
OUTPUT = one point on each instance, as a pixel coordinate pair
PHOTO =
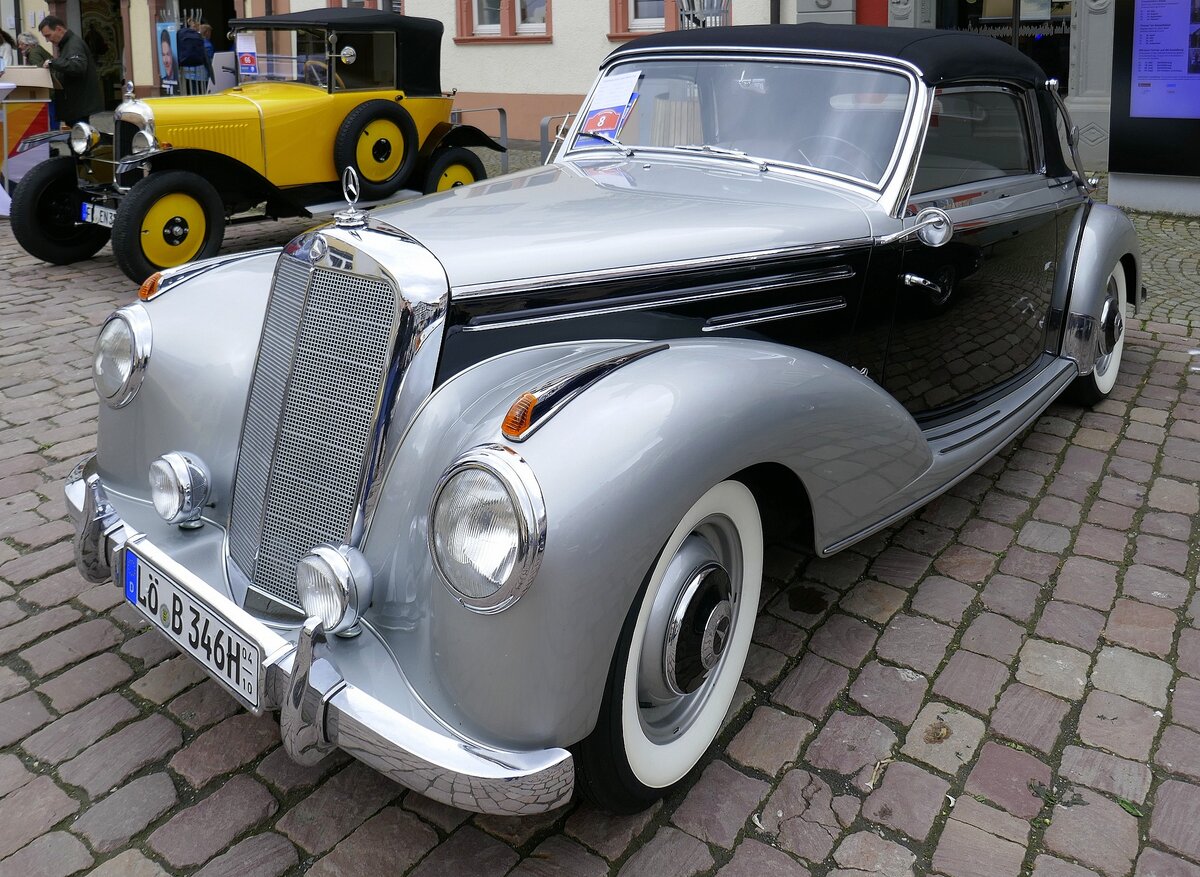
(618, 466)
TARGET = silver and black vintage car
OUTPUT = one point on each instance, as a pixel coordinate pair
(474, 488)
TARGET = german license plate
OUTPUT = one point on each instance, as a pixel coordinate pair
(202, 633)
(97, 214)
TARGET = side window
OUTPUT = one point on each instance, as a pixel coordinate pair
(973, 135)
(374, 64)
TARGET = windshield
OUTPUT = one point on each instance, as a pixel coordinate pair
(830, 117)
(282, 56)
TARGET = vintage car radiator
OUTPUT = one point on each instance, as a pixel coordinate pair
(313, 407)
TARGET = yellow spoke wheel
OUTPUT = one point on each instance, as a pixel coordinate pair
(173, 230)
(455, 175)
(380, 150)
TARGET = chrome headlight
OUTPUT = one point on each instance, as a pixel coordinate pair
(488, 528)
(179, 487)
(143, 141)
(335, 585)
(122, 351)
(84, 138)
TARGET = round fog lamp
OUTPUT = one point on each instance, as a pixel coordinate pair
(335, 585)
(179, 488)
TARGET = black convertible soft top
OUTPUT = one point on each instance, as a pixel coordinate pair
(940, 55)
(418, 40)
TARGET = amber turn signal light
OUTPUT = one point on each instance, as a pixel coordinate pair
(149, 287)
(519, 417)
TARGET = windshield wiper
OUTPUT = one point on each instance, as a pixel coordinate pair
(722, 151)
(612, 141)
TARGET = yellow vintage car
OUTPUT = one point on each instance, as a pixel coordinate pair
(317, 92)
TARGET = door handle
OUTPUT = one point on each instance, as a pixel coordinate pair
(921, 282)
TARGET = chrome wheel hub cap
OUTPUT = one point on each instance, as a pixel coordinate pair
(1112, 321)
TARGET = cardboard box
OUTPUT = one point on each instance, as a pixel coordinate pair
(32, 83)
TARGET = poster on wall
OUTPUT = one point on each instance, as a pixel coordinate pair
(168, 69)
(1166, 60)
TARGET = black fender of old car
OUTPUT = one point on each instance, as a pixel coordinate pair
(447, 135)
(237, 184)
(618, 465)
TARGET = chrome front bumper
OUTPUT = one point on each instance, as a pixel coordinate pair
(319, 709)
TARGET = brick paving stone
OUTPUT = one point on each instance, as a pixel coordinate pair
(1057, 510)
(838, 572)
(812, 686)
(72, 645)
(917, 642)
(1121, 726)
(1071, 624)
(1142, 627)
(947, 511)
(1033, 566)
(1007, 777)
(287, 776)
(85, 681)
(13, 774)
(20, 715)
(263, 855)
(516, 831)
(1179, 751)
(1151, 585)
(1029, 716)
(943, 599)
(943, 737)
(130, 863)
(909, 800)
(923, 537)
(889, 692)
(101, 766)
(846, 744)
(1174, 496)
(971, 680)
(56, 589)
(866, 853)
(204, 705)
(1138, 677)
(763, 665)
(609, 834)
(1054, 668)
(1003, 509)
(30, 811)
(785, 638)
(1111, 515)
(101, 598)
(1010, 596)
(1188, 656)
(150, 648)
(36, 564)
(392, 839)
(769, 740)
(444, 816)
(803, 607)
(1157, 551)
(1156, 863)
(559, 857)
(11, 683)
(163, 682)
(755, 859)
(1087, 582)
(966, 851)
(989, 819)
(670, 853)
(73, 733)
(1048, 866)
(994, 636)
(986, 536)
(21, 634)
(236, 741)
(1168, 524)
(1095, 831)
(1107, 773)
(56, 854)
(337, 807)
(897, 566)
(467, 851)
(1041, 536)
(1185, 703)
(110, 824)
(843, 639)
(1175, 819)
(195, 835)
(10, 613)
(800, 818)
(874, 601)
(963, 563)
(719, 804)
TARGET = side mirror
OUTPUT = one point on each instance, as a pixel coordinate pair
(933, 228)
(348, 55)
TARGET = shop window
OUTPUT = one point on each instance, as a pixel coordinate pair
(519, 21)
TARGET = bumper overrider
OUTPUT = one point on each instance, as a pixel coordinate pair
(319, 709)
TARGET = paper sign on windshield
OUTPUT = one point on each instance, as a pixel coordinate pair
(247, 53)
(611, 103)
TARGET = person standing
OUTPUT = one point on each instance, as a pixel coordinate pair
(75, 70)
(8, 49)
(31, 51)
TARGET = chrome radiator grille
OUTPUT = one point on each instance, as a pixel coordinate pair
(322, 362)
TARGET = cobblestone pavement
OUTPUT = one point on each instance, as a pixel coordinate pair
(1006, 683)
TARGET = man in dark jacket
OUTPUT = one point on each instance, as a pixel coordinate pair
(75, 69)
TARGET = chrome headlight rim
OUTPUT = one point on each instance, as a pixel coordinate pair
(516, 477)
(353, 585)
(143, 141)
(137, 322)
(83, 138)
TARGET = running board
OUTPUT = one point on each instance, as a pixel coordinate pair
(961, 446)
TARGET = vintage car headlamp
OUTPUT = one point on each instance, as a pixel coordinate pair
(488, 528)
(143, 141)
(179, 486)
(122, 351)
(84, 138)
(335, 585)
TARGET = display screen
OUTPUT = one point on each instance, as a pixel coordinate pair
(1166, 60)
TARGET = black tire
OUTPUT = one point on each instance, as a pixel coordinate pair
(45, 215)
(167, 219)
(367, 142)
(451, 167)
(649, 735)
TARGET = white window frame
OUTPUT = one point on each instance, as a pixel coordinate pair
(530, 27)
(640, 24)
(477, 15)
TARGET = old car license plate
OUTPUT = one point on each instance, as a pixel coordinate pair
(98, 214)
(194, 627)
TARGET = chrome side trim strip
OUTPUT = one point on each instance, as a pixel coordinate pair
(654, 269)
(767, 315)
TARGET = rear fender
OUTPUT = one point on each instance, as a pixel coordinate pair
(446, 135)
